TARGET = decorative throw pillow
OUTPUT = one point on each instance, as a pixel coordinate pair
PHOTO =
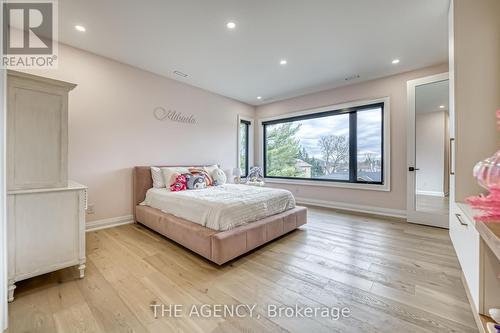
(180, 183)
(157, 177)
(219, 177)
(210, 168)
(196, 182)
(201, 172)
(170, 174)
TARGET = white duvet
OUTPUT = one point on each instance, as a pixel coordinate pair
(221, 207)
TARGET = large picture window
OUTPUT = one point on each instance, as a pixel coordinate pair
(244, 146)
(334, 146)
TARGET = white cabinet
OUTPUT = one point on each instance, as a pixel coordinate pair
(45, 212)
(480, 266)
(46, 231)
(466, 241)
(37, 131)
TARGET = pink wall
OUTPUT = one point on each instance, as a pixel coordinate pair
(393, 87)
(112, 128)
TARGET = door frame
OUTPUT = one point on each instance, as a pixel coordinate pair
(412, 215)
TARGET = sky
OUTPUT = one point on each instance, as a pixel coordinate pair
(369, 132)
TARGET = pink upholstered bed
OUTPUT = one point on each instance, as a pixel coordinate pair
(217, 246)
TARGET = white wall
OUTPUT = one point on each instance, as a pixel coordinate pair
(476, 69)
(393, 202)
(112, 128)
(430, 152)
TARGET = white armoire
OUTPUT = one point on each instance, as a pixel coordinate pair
(45, 211)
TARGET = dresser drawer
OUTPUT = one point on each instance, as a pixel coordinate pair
(466, 241)
(46, 231)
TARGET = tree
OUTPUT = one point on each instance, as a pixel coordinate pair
(243, 146)
(303, 154)
(316, 168)
(335, 150)
(370, 161)
(283, 149)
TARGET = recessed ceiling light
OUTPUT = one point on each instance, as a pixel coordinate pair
(180, 74)
(231, 25)
(259, 97)
(441, 106)
(283, 62)
(395, 61)
(352, 77)
(80, 28)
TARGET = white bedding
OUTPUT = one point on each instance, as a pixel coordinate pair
(221, 207)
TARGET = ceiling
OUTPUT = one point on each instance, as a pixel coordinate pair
(430, 97)
(324, 41)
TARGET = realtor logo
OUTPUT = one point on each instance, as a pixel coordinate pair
(29, 34)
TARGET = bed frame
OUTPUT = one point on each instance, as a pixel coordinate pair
(217, 246)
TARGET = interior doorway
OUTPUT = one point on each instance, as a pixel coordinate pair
(428, 151)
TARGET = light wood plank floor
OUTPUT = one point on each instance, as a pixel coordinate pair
(433, 204)
(393, 276)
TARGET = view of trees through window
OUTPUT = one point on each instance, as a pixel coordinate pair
(319, 146)
(244, 125)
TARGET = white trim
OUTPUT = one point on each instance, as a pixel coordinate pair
(250, 141)
(412, 214)
(109, 223)
(431, 193)
(3, 219)
(387, 145)
(399, 213)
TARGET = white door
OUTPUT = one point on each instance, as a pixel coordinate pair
(428, 151)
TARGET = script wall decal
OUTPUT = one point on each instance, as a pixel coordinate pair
(172, 115)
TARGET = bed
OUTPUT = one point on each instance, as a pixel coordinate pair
(219, 223)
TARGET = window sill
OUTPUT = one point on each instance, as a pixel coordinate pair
(370, 187)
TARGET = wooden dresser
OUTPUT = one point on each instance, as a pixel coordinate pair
(45, 211)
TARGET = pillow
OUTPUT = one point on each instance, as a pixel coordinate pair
(157, 177)
(210, 168)
(219, 177)
(170, 174)
(195, 182)
(201, 172)
(180, 183)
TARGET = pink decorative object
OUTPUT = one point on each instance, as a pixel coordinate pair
(180, 184)
(487, 173)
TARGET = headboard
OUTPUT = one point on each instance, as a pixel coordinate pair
(142, 182)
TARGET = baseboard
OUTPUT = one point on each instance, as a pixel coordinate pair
(431, 193)
(475, 314)
(399, 213)
(109, 223)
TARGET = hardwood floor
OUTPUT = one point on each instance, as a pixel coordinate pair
(433, 204)
(393, 277)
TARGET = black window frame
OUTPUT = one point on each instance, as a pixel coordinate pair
(247, 124)
(353, 161)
